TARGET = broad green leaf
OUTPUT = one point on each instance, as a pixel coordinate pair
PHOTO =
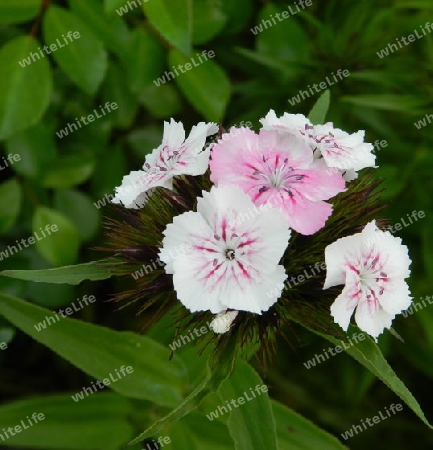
(99, 352)
(144, 61)
(75, 205)
(111, 30)
(10, 203)
(94, 271)
(143, 141)
(25, 85)
(57, 239)
(239, 14)
(12, 11)
(162, 101)
(295, 432)
(210, 383)
(319, 111)
(208, 20)
(69, 171)
(116, 90)
(111, 170)
(36, 148)
(82, 55)
(204, 83)
(101, 421)
(368, 354)
(251, 422)
(285, 40)
(173, 19)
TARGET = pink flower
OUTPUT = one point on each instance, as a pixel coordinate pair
(372, 265)
(278, 169)
(231, 263)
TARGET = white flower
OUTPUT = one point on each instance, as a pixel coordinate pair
(223, 321)
(295, 124)
(232, 263)
(372, 265)
(175, 156)
(344, 151)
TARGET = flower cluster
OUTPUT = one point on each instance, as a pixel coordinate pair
(253, 207)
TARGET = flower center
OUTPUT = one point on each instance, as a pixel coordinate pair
(230, 254)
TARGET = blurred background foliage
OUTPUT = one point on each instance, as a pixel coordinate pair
(117, 59)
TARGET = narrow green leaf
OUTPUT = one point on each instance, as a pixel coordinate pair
(319, 111)
(25, 85)
(94, 271)
(56, 238)
(12, 11)
(99, 352)
(210, 383)
(82, 55)
(102, 421)
(251, 423)
(368, 354)
(10, 203)
(110, 6)
(173, 19)
(204, 83)
(295, 432)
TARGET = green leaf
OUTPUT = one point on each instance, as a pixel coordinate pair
(318, 112)
(173, 19)
(208, 20)
(368, 354)
(94, 271)
(10, 203)
(81, 56)
(163, 101)
(57, 239)
(386, 102)
(295, 432)
(116, 90)
(6, 334)
(210, 383)
(427, 246)
(69, 171)
(100, 421)
(25, 89)
(145, 60)
(286, 40)
(252, 423)
(110, 6)
(75, 205)
(99, 352)
(204, 84)
(36, 148)
(112, 31)
(12, 11)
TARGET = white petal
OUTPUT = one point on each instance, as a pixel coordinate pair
(336, 255)
(396, 297)
(174, 134)
(132, 192)
(342, 309)
(372, 319)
